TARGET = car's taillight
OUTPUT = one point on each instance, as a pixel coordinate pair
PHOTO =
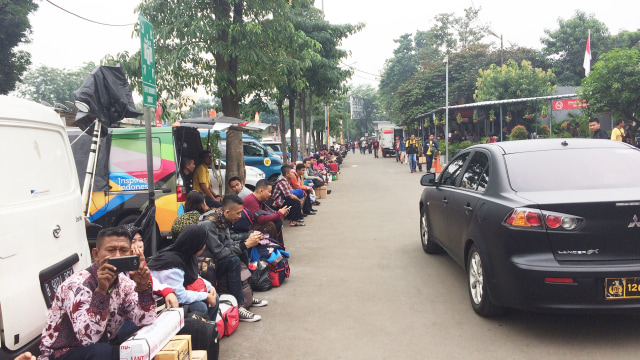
(532, 218)
(181, 194)
(524, 218)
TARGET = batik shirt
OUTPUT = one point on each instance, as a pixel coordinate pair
(80, 316)
(281, 190)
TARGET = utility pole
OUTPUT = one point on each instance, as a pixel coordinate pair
(446, 111)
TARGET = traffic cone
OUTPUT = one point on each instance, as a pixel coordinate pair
(437, 166)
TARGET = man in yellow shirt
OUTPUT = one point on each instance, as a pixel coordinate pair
(202, 182)
(618, 132)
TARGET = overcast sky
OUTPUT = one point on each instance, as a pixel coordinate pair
(62, 40)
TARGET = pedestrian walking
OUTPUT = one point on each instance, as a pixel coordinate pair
(412, 151)
(376, 147)
(397, 148)
(430, 149)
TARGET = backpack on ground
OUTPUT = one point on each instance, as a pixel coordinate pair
(279, 272)
(204, 334)
(228, 315)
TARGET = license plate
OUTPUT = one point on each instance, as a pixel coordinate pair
(50, 285)
(622, 288)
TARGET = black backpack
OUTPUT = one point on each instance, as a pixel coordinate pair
(204, 334)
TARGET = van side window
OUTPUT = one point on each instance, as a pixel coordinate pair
(252, 149)
(44, 152)
(130, 154)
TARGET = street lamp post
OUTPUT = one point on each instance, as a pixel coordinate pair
(446, 111)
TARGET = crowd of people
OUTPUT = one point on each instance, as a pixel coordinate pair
(406, 151)
(212, 241)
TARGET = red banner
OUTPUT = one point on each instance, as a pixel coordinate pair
(570, 104)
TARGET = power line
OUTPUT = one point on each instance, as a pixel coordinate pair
(83, 18)
(364, 72)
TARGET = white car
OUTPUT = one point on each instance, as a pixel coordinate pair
(253, 176)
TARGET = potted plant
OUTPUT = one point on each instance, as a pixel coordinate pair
(459, 118)
(544, 112)
(508, 117)
(528, 116)
(475, 116)
(492, 115)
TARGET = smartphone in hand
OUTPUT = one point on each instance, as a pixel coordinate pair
(125, 263)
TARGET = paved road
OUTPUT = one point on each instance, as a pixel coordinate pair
(362, 288)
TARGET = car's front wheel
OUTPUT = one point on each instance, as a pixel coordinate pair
(428, 245)
(480, 301)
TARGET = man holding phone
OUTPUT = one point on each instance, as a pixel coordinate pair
(91, 306)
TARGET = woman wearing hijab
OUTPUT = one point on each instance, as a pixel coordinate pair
(176, 266)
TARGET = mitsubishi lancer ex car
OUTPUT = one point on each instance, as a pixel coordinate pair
(542, 225)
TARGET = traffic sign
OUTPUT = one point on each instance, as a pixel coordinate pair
(148, 64)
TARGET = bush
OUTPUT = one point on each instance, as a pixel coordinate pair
(543, 130)
(519, 133)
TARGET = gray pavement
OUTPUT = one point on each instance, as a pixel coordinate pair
(362, 288)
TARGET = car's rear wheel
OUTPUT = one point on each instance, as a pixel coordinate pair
(480, 301)
(428, 245)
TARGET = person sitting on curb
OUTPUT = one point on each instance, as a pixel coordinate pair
(282, 197)
(194, 206)
(311, 175)
(177, 267)
(238, 187)
(91, 305)
(202, 181)
(226, 252)
(266, 220)
(295, 179)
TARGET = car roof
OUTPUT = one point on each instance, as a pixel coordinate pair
(519, 146)
(12, 108)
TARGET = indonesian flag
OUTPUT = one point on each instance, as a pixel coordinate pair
(587, 57)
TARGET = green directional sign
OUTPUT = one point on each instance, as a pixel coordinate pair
(149, 92)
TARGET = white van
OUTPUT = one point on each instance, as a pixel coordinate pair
(42, 230)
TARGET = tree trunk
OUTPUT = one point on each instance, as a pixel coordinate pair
(227, 78)
(311, 124)
(292, 128)
(283, 132)
(303, 125)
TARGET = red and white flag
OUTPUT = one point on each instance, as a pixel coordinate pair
(587, 56)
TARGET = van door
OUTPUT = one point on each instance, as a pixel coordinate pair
(43, 239)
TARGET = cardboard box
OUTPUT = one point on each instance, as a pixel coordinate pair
(199, 355)
(185, 337)
(321, 192)
(148, 341)
(175, 350)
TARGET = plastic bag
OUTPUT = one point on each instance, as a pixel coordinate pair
(260, 280)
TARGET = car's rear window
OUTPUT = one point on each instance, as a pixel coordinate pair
(574, 169)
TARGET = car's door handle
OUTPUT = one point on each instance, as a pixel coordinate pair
(468, 208)
(445, 201)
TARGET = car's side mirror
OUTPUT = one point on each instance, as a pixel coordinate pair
(428, 179)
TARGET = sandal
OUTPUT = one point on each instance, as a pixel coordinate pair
(297, 224)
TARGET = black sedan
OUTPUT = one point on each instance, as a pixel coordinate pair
(543, 225)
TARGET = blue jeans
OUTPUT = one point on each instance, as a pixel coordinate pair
(412, 162)
(231, 268)
(202, 307)
(397, 155)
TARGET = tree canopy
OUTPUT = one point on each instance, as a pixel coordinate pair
(614, 86)
(52, 84)
(15, 30)
(566, 45)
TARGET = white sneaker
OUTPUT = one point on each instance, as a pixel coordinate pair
(248, 316)
(259, 303)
